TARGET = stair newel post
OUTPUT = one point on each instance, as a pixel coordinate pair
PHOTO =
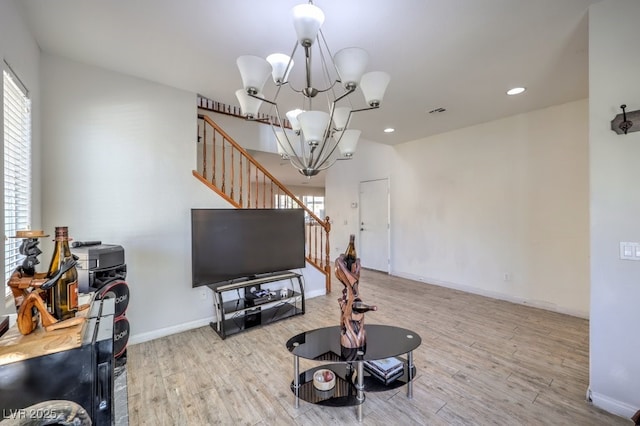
(327, 252)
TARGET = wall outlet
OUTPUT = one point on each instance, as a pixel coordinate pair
(506, 276)
(629, 251)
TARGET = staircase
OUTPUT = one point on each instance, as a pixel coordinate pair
(230, 171)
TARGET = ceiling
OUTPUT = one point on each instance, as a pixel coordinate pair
(460, 55)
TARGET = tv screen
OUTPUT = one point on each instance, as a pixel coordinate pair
(235, 243)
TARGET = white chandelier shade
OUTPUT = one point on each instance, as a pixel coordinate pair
(284, 148)
(307, 20)
(254, 72)
(347, 141)
(351, 63)
(280, 67)
(373, 85)
(292, 116)
(317, 138)
(341, 117)
(314, 126)
(249, 105)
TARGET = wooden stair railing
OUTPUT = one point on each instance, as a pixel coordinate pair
(230, 171)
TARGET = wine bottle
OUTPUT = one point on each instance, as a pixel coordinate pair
(350, 253)
(358, 306)
(63, 296)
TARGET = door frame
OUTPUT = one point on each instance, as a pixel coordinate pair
(388, 214)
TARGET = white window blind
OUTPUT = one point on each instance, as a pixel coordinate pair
(17, 168)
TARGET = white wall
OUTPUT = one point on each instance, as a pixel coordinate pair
(20, 51)
(499, 209)
(469, 206)
(614, 69)
(120, 151)
(372, 161)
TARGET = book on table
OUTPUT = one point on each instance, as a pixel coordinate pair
(386, 370)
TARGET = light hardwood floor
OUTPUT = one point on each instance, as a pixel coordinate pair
(482, 361)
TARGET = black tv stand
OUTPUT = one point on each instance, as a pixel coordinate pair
(240, 312)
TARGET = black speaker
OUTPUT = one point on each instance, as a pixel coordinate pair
(118, 290)
(110, 284)
(120, 336)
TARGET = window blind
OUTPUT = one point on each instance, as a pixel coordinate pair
(17, 168)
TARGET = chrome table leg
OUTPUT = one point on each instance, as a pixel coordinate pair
(410, 375)
(360, 389)
(296, 381)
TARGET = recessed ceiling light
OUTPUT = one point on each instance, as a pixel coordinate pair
(389, 130)
(515, 91)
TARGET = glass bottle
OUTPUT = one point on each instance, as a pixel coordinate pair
(63, 296)
(361, 308)
(350, 252)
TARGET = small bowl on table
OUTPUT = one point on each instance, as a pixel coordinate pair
(324, 379)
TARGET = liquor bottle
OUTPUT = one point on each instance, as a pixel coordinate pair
(350, 253)
(63, 296)
(361, 308)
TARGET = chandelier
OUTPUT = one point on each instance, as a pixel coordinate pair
(315, 133)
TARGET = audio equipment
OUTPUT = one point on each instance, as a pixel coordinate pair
(118, 290)
(120, 337)
(102, 269)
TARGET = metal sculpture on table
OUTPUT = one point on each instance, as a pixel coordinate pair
(352, 332)
(29, 288)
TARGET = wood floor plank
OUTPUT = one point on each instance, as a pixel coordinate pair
(482, 361)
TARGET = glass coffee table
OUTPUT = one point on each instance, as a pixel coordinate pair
(352, 379)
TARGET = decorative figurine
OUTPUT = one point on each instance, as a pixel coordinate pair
(29, 287)
(347, 268)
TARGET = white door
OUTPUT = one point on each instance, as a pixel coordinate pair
(373, 249)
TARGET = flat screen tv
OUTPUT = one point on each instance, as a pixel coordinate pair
(234, 243)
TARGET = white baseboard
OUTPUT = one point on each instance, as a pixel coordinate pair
(167, 331)
(495, 295)
(613, 406)
(315, 293)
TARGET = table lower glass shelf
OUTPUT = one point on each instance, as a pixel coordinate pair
(344, 393)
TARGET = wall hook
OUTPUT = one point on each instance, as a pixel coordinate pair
(622, 123)
(626, 124)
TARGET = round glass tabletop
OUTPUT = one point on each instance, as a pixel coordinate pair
(383, 341)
